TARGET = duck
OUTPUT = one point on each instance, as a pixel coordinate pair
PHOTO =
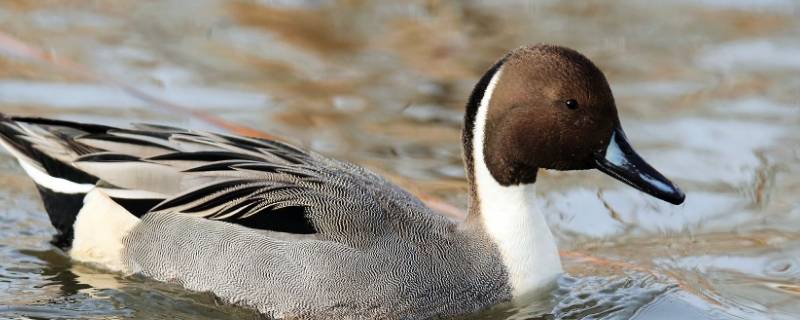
(294, 234)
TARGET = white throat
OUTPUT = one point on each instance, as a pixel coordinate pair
(511, 216)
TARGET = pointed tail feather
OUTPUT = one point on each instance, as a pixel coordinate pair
(61, 185)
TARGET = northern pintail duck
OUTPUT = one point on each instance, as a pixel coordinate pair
(294, 234)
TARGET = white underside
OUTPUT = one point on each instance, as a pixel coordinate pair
(99, 228)
(513, 219)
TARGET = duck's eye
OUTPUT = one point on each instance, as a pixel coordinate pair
(572, 104)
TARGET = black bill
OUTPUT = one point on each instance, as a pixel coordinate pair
(620, 161)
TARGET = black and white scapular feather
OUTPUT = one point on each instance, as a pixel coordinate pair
(257, 183)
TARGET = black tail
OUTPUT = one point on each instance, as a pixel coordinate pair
(62, 208)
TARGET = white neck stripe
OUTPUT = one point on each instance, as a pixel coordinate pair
(480, 119)
(511, 217)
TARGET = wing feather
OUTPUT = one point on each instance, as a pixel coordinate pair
(254, 182)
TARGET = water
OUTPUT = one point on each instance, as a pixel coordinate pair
(708, 92)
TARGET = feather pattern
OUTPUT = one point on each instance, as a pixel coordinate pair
(223, 177)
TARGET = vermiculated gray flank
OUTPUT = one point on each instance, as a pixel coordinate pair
(379, 253)
(316, 278)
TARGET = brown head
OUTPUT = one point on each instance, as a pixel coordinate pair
(550, 107)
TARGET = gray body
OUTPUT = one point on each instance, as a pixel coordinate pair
(348, 243)
(439, 271)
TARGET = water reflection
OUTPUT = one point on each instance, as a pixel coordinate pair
(707, 90)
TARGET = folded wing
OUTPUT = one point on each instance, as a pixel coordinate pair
(257, 183)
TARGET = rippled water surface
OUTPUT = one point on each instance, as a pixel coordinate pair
(708, 91)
